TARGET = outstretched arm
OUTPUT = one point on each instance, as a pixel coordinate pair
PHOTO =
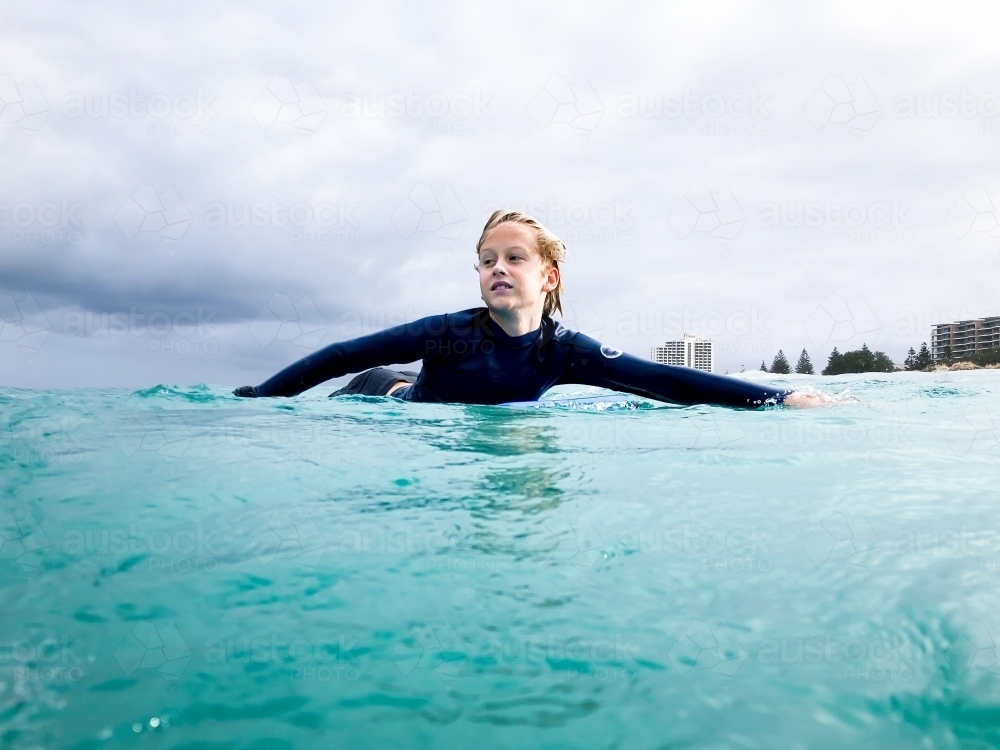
(593, 364)
(405, 343)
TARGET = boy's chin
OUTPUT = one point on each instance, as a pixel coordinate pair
(503, 303)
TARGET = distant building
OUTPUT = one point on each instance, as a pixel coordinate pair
(964, 338)
(689, 352)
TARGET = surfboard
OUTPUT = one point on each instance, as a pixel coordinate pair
(615, 401)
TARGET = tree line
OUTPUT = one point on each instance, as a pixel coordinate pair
(859, 360)
(982, 358)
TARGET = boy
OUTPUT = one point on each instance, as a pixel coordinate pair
(511, 350)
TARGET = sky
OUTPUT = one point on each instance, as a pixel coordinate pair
(207, 192)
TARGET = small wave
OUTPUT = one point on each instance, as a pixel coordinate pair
(199, 393)
(823, 398)
(944, 391)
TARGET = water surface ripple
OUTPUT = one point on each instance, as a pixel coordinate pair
(185, 568)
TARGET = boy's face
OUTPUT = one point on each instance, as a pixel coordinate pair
(512, 276)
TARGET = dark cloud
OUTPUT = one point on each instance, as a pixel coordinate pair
(698, 159)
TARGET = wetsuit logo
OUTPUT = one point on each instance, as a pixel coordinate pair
(610, 353)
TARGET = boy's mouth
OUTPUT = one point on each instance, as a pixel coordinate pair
(500, 285)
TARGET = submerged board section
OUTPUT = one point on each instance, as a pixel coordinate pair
(609, 402)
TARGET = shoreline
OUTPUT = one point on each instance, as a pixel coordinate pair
(959, 366)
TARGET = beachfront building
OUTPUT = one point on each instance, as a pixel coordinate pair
(963, 338)
(688, 352)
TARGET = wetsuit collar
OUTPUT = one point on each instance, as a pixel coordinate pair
(514, 342)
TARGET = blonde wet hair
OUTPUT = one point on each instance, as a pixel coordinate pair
(550, 247)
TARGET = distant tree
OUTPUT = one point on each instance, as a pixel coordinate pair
(910, 363)
(804, 366)
(861, 360)
(832, 363)
(947, 353)
(780, 365)
(883, 363)
(763, 367)
(924, 359)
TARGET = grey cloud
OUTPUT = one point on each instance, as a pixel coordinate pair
(464, 104)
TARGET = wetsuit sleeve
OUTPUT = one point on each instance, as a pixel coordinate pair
(592, 364)
(405, 343)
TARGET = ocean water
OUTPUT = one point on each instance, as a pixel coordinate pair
(180, 568)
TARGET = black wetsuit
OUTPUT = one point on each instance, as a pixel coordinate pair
(468, 358)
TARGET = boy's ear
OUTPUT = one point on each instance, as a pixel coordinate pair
(551, 279)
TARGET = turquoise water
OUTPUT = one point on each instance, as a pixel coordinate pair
(184, 569)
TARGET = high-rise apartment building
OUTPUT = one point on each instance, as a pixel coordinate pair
(964, 338)
(688, 352)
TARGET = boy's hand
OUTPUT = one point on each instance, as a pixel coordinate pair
(798, 400)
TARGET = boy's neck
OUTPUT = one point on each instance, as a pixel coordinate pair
(517, 322)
